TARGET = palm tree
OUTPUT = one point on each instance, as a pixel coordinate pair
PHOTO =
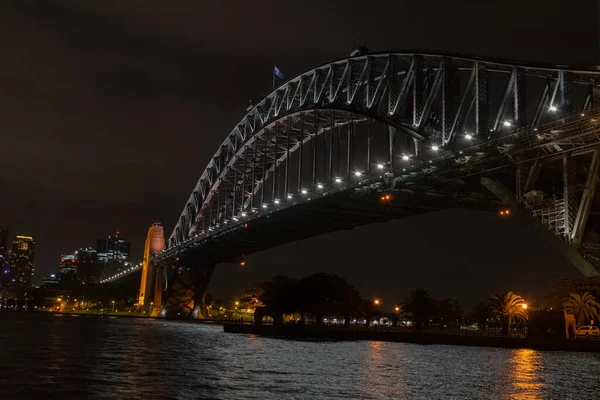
(481, 312)
(509, 307)
(583, 306)
(420, 305)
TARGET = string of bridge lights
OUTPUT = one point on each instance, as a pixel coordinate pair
(338, 180)
(121, 274)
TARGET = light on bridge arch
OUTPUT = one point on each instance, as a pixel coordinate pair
(304, 191)
(381, 166)
(320, 186)
(338, 180)
(289, 196)
(405, 157)
(435, 148)
(358, 173)
(552, 108)
(507, 123)
(468, 136)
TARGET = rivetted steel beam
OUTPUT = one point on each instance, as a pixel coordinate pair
(447, 99)
(274, 193)
(569, 193)
(391, 139)
(586, 199)
(519, 98)
(301, 144)
(331, 134)
(481, 99)
(417, 87)
(532, 176)
(287, 158)
(369, 147)
(314, 150)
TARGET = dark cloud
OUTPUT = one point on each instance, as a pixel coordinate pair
(110, 110)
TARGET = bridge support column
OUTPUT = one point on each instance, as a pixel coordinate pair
(203, 276)
(586, 199)
(571, 253)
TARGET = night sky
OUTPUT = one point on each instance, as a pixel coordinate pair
(110, 111)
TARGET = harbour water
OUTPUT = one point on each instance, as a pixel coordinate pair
(45, 356)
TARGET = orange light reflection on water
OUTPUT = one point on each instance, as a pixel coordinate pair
(525, 374)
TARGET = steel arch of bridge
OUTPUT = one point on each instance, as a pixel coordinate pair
(431, 98)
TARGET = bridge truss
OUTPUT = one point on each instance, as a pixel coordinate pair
(418, 123)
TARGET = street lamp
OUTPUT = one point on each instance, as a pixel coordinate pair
(376, 302)
(113, 303)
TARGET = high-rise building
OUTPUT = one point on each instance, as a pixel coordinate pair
(113, 254)
(3, 241)
(67, 268)
(4, 260)
(88, 267)
(21, 260)
(51, 278)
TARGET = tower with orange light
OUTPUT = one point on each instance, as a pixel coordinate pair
(150, 285)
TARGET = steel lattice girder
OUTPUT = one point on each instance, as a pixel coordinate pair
(378, 86)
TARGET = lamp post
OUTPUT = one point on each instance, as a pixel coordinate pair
(113, 303)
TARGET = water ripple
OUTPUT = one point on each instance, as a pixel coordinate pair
(48, 357)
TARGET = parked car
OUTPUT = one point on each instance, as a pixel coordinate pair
(587, 331)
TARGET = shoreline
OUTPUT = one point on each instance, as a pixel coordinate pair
(424, 338)
(111, 315)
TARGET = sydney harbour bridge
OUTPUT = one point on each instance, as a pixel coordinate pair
(384, 136)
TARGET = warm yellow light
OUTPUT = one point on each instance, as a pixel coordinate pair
(524, 306)
(237, 303)
(376, 302)
(242, 263)
(397, 308)
(113, 302)
(507, 212)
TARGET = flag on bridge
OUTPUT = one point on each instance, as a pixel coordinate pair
(277, 72)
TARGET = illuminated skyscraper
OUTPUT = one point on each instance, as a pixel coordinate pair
(3, 241)
(21, 264)
(4, 261)
(88, 267)
(113, 254)
(67, 269)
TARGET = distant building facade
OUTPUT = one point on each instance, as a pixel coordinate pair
(51, 278)
(67, 268)
(113, 254)
(89, 269)
(4, 260)
(22, 264)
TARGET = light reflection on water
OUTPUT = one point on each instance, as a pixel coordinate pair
(526, 374)
(88, 357)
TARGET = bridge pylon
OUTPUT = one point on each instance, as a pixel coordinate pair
(151, 284)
